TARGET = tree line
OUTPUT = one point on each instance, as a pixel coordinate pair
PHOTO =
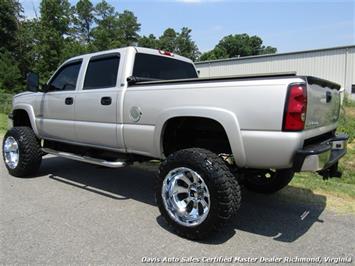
(62, 30)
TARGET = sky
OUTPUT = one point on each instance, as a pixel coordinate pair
(288, 25)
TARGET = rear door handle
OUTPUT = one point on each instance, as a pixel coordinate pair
(106, 100)
(69, 101)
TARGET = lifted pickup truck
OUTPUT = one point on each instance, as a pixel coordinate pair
(135, 104)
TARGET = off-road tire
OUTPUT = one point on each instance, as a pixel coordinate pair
(271, 185)
(30, 155)
(225, 193)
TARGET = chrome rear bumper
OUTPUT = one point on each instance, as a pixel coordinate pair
(320, 156)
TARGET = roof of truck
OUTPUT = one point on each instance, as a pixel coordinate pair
(138, 50)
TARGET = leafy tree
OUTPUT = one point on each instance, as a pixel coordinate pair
(83, 20)
(216, 53)
(178, 42)
(56, 15)
(149, 42)
(10, 14)
(104, 10)
(74, 48)
(106, 33)
(238, 45)
(10, 21)
(185, 46)
(114, 29)
(54, 27)
(10, 76)
(167, 41)
(268, 50)
(26, 51)
(128, 27)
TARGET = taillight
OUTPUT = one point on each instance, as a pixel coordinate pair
(296, 107)
(166, 53)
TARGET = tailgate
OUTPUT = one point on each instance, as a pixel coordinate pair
(323, 103)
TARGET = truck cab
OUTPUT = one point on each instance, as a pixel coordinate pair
(83, 100)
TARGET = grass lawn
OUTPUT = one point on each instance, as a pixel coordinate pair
(3, 123)
(340, 192)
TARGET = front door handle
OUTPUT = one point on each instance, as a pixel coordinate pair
(69, 100)
(106, 100)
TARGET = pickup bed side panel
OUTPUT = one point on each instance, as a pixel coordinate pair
(247, 105)
(270, 149)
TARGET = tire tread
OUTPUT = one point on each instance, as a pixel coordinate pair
(228, 189)
(30, 152)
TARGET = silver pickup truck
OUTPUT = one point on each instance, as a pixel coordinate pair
(212, 135)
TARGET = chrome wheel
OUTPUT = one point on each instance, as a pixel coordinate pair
(186, 196)
(11, 152)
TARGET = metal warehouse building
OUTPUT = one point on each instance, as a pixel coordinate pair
(335, 64)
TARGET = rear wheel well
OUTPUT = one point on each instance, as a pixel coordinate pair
(198, 132)
(21, 119)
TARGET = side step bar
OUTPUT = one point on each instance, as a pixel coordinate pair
(85, 159)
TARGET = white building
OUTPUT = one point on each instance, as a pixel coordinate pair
(335, 64)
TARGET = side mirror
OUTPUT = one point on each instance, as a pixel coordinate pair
(32, 81)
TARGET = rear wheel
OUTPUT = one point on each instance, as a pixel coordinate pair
(196, 193)
(267, 181)
(21, 152)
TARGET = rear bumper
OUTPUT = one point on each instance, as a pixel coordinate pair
(320, 156)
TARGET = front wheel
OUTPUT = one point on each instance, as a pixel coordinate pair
(267, 181)
(21, 152)
(196, 193)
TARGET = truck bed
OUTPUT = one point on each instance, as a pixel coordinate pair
(213, 79)
(309, 79)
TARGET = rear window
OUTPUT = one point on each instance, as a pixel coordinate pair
(102, 73)
(162, 68)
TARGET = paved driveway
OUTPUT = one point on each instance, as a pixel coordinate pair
(79, 213)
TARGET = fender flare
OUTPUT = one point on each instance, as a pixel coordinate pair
(227, 119)
(31, 115)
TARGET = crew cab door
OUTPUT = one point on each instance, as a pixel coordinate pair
(96, 108)
(56, 119)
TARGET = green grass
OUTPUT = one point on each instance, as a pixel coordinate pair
(3, 123)
(347, 121)
(344, 186)
(5, 102)
(332, 186)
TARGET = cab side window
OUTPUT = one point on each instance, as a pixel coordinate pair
(65, 79)
(102, 72)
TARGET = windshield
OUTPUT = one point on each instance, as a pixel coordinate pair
(162, 68)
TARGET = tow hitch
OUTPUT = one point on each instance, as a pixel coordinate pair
(330, 172)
